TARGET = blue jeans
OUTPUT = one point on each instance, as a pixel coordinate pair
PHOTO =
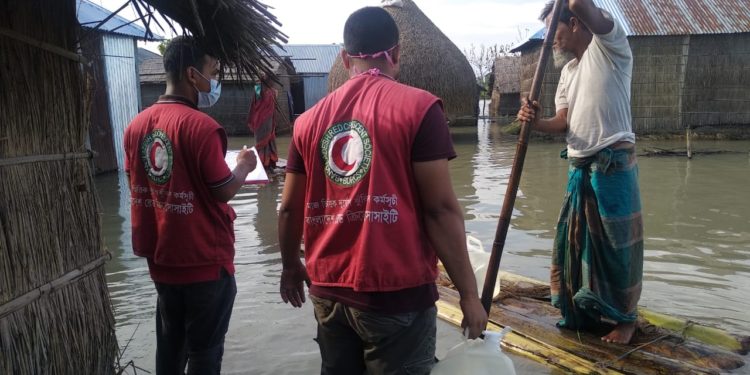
(191, 322)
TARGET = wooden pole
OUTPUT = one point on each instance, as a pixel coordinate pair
(515, 174)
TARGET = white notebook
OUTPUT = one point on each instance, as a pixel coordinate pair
(257, 176)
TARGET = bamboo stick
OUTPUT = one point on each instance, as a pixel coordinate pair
(708, 335)
(535, 320)
(702, 333)
(70, 277)
(42, 158)
(42, 45)
(521, 345)
(515, 175)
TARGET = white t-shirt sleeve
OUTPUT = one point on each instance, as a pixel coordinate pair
(614, 43)
(561, 96)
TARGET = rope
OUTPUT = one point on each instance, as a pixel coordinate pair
(70, 277)
(89, 154)
(688, 324)
(45, 46)
(605, 364)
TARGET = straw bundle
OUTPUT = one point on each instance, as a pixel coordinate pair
(55, 313)
(430, 61)
(240, 33)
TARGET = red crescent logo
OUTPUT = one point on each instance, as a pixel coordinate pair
(152, 154)
(337, 154)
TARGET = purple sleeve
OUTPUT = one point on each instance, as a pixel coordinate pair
(294, 162)
(433, 140)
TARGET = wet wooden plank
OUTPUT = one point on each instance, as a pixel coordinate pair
(535, 319)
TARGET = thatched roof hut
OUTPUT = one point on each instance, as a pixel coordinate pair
(506, 86)
(55, 312)
(429, 61)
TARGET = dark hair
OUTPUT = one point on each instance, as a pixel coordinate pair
(370, 30)
(183, 52)
(565, 15)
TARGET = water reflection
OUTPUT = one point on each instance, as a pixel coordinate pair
(697, 221)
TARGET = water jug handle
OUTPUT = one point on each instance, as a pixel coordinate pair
(474, 243)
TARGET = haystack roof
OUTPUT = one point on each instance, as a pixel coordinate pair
(430, 61)
(508, 74)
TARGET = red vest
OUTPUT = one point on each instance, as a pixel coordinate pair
(176, 221)
(363, 222)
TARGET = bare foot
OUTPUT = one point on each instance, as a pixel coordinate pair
(622, 333)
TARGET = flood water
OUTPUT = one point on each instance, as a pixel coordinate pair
(697, 257)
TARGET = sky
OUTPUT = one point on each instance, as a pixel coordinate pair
(465, 22)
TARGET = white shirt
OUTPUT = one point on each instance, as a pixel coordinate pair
(596, 92)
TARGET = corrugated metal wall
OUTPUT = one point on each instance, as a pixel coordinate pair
(316, 87)
(122, 87)
(100, 131)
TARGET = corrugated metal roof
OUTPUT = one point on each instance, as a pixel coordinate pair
(311, 58)
(680, 17)
(672, 17)
(152, 71)
(90, 15)
(144, 54)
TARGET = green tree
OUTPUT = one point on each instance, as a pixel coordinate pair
(482, 59)
(163, 46)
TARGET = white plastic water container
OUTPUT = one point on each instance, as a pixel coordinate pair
(479, 261)
(477, 357)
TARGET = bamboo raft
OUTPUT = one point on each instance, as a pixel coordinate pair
(662, 344)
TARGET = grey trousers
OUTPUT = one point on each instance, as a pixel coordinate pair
(358, 342)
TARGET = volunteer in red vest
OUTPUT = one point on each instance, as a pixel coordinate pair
(369, 189)
(182, 224)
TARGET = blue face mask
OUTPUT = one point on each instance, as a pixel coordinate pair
(208, 99)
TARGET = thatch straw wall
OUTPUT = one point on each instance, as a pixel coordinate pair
(55, 313)
(506, 86)
(717, 82)
(655, 89)
(529, 61)
(695, 81)
(429, 61)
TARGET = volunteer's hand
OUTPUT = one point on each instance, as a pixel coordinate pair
(475, 318)
(292, 288)
(247, 158)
